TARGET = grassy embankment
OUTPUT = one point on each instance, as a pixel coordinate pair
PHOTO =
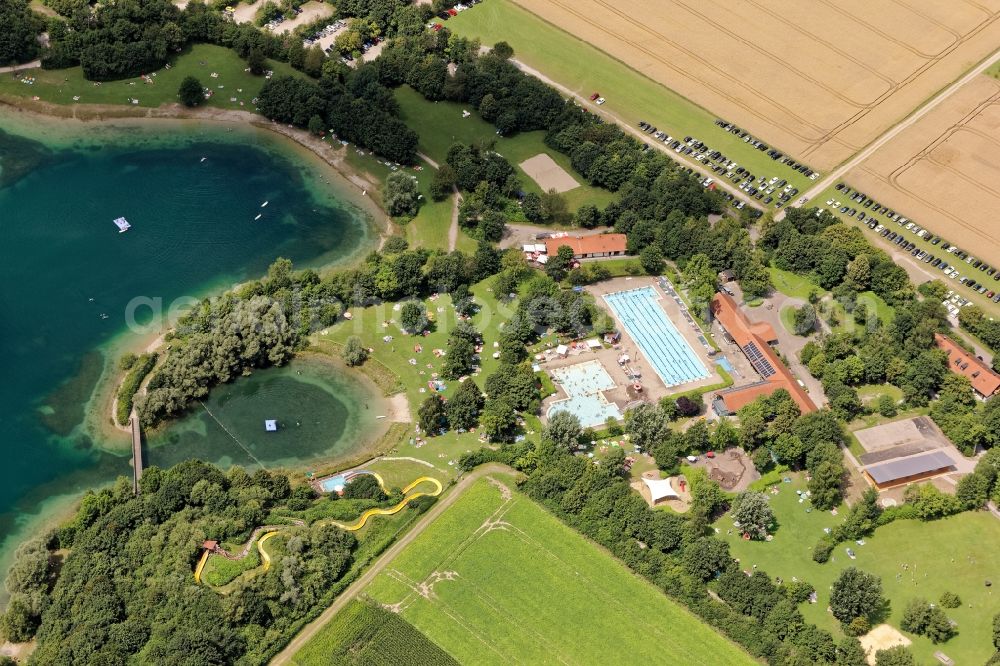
(585, 69)
(60, 86)
(486, 606)
(953, 554)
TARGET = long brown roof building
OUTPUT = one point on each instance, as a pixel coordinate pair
(983, 379)
(754, 339)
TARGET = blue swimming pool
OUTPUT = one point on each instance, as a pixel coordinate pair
(661, 343)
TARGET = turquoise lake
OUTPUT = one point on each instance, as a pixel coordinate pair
(68, 277)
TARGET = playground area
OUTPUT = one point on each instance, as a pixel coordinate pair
(732, 469)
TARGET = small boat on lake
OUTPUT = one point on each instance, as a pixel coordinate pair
(264, 204)
(259, 215)
(122, 225)
(203, 159)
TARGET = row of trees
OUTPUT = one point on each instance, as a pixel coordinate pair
(331, 105)
(973, 319)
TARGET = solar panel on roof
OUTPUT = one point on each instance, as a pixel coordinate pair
(905, 467)
(758, 360)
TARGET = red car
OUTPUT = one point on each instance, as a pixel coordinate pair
(595, 96)
(710, 454)
(453, 12)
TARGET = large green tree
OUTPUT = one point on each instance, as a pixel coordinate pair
(856, 593)
(401, 194)
(190, 92)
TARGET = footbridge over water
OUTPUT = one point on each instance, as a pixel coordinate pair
(136, 451)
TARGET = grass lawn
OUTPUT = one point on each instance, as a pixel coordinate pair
(788, 318)
(429, 229)
(531, 590)
(792, 284)
(59, 86)
(585, 69)
(950, 554)
(442, 451)
(440, 124)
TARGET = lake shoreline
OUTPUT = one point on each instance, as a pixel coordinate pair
(353, 184)
(95, 124)
(357, 184)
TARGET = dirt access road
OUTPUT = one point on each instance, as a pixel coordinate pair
(892, 132)
(311, 629)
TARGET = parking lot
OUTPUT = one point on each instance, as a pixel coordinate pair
(766, 188)
(943, 172)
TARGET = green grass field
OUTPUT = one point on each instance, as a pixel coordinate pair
(586, 69)
(954, 554)
(440, 124)
(793, 284)
(59, 86)
(367, 323)
(505, 582)
(364, 633)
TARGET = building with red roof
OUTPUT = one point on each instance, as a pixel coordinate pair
(985, 382)
(754, 339)
(586, 247)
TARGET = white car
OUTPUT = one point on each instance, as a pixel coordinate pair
(600, 100)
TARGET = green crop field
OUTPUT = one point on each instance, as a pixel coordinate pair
(440, 124)
(585, 69)
(497, 580)
(955, 554)
(364, 633)
(60, 86)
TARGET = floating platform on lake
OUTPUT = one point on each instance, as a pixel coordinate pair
(122, 225)
(271, 425)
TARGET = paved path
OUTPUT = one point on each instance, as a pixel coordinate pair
(353, 590)
(17, 68)
(630, 128)
(891, 133)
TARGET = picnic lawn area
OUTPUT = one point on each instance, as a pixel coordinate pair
(955, 553)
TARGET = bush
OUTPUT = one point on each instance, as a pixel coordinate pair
(859, 626)
(130, 385)
(354, 353)
(950, 600)
(190, 92)
(822, 551)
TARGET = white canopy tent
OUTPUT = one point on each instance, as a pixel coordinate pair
(660, 489)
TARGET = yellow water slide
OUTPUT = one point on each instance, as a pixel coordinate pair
(395, 509)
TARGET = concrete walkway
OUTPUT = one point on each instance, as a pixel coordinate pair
(34, 64)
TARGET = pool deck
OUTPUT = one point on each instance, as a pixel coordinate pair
(652, 384)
